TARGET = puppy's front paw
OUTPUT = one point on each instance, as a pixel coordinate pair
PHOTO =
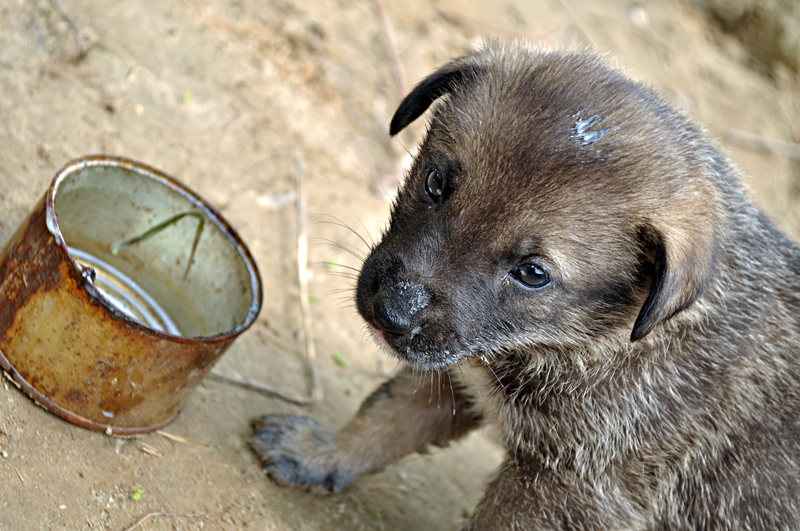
(295, 452)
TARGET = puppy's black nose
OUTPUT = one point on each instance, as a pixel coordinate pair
(394, 307)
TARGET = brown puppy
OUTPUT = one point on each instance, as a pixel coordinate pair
(629, 317)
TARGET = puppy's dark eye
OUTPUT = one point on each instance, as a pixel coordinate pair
(434, 184)
(531, 275)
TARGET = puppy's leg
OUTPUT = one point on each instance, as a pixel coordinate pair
(397, 419)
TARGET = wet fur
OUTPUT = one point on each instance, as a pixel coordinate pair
(654, 383)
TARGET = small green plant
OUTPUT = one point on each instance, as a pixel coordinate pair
(116, 247)
(341, 360)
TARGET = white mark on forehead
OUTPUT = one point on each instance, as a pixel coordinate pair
(583, 129)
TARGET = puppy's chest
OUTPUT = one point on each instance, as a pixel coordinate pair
(510, 404)
(540, 414)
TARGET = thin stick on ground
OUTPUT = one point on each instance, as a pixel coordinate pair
(146, 448)
(261, 388)
(581, 28)
(315, 391)
(391, 44)
(144, 518)
(759, 143)
(73, 27)
(184, 440)
(455, 16)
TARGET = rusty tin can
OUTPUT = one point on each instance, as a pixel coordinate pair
(113, 340)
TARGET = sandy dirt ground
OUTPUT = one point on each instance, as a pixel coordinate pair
(228, 96)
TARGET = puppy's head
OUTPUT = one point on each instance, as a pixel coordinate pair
(553, 204)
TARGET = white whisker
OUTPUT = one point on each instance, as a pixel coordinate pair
(452, 393)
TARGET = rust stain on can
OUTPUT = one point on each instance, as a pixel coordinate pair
(79, 356)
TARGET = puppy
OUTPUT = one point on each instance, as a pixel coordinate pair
(571, 262)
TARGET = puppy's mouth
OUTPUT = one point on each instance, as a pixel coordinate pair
(378, 335)
(381, 336)
(413, 346)
(407, 322)
(403, 348)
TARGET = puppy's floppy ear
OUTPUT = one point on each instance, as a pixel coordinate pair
(682, 268)
(443, 81)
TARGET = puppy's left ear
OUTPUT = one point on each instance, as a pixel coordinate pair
(683, 265)
(457, 73)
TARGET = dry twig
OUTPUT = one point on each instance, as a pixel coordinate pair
(73, 27)
(577, 22)
(184, 440)
(759, 143)
(314, 391)
(161, 513)
(262, 388)
(456, 17)
(146, 448)
(391, 43)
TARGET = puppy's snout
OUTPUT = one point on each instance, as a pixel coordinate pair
(394, 307)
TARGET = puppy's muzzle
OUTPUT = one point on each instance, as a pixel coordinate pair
(394, 307)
